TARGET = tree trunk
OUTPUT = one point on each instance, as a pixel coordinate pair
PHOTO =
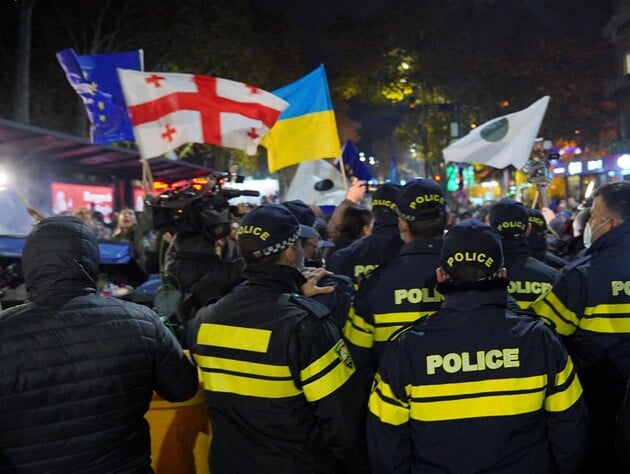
(22, 83)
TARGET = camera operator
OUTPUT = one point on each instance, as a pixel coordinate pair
(197, 220)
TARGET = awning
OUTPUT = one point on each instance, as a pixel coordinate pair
(26, 146)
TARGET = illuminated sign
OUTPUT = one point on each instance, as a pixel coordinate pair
(594, 165)
(623, 162)
(575, 167)
(559, 170)
(70, 197)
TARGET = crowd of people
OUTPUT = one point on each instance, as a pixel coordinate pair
(395, 335)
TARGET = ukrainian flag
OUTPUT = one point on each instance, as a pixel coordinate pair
(307, 129)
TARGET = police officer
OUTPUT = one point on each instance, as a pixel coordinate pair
(476, 387)
(277, 375)
(537, 240)
(590, 306)
(529, 278)
(401, 291)
(364, 255)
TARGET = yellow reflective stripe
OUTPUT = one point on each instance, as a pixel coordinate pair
(524, 304)
(234, 337)
(478, 407)
(387, 412)
(249, 386)
(560, 308)
(563, 376)
(245, 367)
(606, 325)
(612, 308)
(358, 331)
(564, 400)
(544, 309)
(320, 364)
(602, 324)
(327, 383)
(386, 324)
(535, 382)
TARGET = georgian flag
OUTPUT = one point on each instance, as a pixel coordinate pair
(502, 141)
(170, 109)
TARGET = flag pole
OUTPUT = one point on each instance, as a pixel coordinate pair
(342, 168)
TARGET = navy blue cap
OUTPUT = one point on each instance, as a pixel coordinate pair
(385, 197)
(420, 199)
(537, 221)
(509, 217)
(302, 212)
(471, 243)
(269, 229)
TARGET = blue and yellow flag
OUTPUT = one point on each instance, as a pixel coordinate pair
(95, 79)
(307, 129)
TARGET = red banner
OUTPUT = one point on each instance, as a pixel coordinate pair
(70, 197)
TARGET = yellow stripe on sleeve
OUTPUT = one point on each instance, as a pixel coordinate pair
(564, 400)
(386, 324)
(388, 412)
(358, 331)
(327, 383)
(234, 337)
(544, 308)
(326, 374)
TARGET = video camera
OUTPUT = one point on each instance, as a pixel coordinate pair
(204, 211)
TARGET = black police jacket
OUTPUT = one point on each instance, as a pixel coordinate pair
(278, 380)
(392, 298)
(590, 305)
(529, 278)
(364, 255)
(476, 388)
(78, 371)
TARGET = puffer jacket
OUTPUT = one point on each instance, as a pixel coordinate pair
(77, 371)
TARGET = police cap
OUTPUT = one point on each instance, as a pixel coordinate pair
(420, 199)
(269, 229)
(471, 243)
(537, 221)
(385, 197)
(509, 218)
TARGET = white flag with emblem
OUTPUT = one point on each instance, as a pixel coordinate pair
(170, 109)
(503, 141)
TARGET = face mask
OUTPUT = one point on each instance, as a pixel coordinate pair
(588, 235)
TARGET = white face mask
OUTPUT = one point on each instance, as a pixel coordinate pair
(588, 235)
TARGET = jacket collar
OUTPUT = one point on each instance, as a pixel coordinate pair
(472, 300)
(426, 246)
(611, 238)
(280, 278)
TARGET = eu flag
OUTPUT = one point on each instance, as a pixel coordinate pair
(95, 79)
(353, 166)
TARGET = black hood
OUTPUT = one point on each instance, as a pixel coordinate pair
(60, 259)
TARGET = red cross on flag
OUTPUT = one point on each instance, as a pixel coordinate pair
(169, 109)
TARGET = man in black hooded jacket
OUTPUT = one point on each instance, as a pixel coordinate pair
(77, 370)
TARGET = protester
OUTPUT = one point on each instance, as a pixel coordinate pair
(384, 243)
(529, 277)
(401, 291)
(77, 370)
(278, 376)
(589, 305)
(476, 387)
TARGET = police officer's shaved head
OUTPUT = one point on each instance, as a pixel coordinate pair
(616, 198)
